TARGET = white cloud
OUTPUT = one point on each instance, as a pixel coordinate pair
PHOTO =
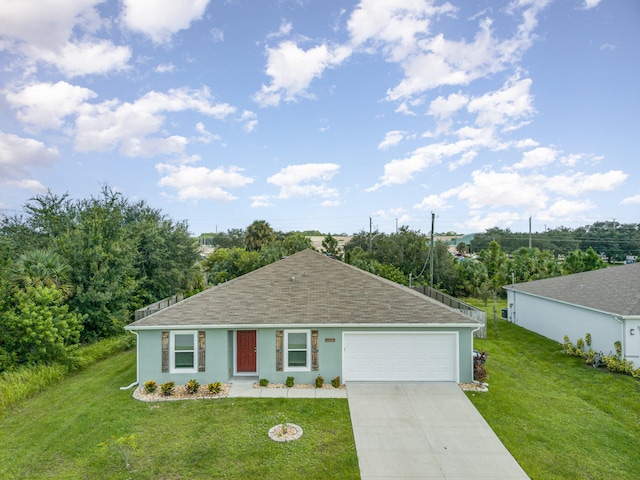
(42, 31)
(47, 23)
(85, 58)
(538, 157)
(588, 4)
(24, 184)
(401, 31)
(444, 108)
(395, 26)
(631, 200)
(564, 209)
(249, 119)
(261, 201)
(480, 223)
(391, 139)
(45, 105)
(160, 19)
(283, 31)
(292, 70)
(112, 124)
(305, 180)
(166, 68)
(201, 183)
(581, 183)
(18, 155)
(432, 203)
(512, 102)
(331, 203)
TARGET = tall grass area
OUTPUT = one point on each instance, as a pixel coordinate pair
(23, 382)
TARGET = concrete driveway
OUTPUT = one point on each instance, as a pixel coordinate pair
(424, 430)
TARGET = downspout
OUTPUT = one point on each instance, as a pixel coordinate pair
(137, 363)
(622, 342)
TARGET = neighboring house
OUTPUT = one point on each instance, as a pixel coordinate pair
(604, 303)
(303, 316)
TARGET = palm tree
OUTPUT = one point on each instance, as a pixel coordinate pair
(259, 234)
(42, 268)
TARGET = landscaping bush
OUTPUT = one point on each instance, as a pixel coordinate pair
(289, 382)
(263, 382)
(336, 382)
(319, 381)
(167, 388)
(479, 372)
(150, 386)
(214, 387)
(192, 386)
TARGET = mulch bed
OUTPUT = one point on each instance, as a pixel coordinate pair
(180, 392)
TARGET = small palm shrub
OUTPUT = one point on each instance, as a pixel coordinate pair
(289, 382)
(335, 383)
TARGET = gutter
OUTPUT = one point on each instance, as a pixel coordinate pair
(137, 363)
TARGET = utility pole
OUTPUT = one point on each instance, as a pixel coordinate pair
(370, 232)
(431, 252)
(529, 233)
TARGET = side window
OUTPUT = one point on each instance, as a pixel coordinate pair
(297, 345)
(183, 349)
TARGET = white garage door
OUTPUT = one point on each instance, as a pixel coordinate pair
(400, 356)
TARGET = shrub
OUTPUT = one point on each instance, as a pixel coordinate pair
(289, 382)
(214, 387)
(263, 382)
(192, 386)
(479, 372)
(167, 388)
(319, 381)
(335, 383)
(150, 386)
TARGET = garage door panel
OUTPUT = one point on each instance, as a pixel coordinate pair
(388, 356)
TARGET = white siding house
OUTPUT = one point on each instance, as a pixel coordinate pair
(604, 303)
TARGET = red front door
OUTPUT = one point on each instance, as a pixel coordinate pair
(246, 351)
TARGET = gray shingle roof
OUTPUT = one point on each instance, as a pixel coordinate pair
(306, 288)
(613, 290)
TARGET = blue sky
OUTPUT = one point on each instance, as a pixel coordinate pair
(320, 115)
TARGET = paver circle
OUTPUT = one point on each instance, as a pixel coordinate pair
(294, 432)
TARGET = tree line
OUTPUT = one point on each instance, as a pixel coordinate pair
(74, 271)
(613, 240)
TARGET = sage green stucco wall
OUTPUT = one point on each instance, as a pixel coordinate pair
(220, 355)
(150, 359)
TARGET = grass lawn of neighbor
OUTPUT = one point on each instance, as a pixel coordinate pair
(559, 417)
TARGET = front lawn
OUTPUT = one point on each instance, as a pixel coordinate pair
(558, 417)
(57, 434)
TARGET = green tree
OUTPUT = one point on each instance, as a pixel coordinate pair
(471, 278)
(42, 268)
(296, 242)
(330, 246)
(38, 328)
(258, 234)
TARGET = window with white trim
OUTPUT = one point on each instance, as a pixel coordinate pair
(183, 351)
(297, 350)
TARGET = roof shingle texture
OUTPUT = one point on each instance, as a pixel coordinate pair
(306, 288)
(613, 290)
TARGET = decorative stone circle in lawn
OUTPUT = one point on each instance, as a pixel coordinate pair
(285, 432)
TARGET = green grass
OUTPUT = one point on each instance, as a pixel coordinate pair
(56, 433)
(558, 417)
(23, 382)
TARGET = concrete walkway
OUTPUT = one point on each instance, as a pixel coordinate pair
(424, 430)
